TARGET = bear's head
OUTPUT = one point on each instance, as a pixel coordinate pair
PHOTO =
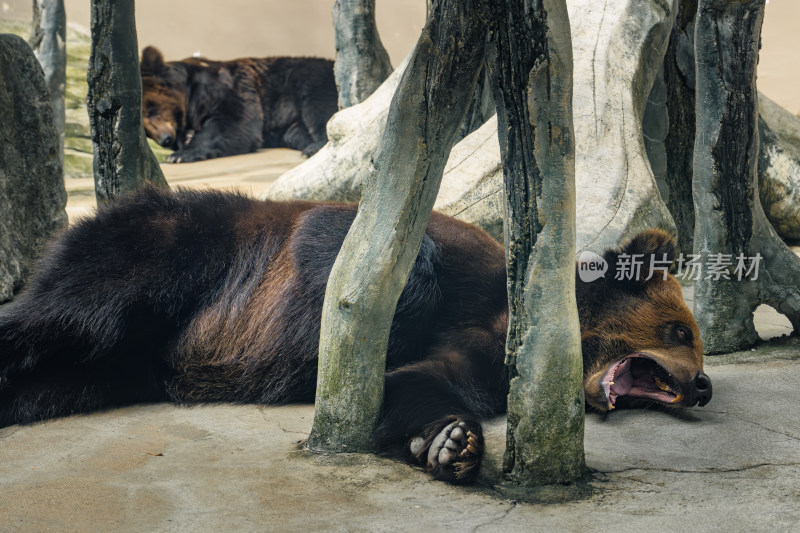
(640, 342)
(163, 99)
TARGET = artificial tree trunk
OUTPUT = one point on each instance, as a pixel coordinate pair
(377, 255)
(779, 142)
(49, 43)
(729, 220)
(481, 107)
(618, 50)
(679, 81)
(122, 158)
(362, 62)
(531, 71)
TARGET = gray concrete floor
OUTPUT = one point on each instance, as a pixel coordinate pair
(733, 465)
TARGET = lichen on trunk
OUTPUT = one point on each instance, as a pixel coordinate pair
(531, 72)
(679, 79)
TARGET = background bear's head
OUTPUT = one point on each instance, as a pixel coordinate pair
(640, 341)
(163, 99)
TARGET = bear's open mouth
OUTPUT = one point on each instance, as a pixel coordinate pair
(640, 376)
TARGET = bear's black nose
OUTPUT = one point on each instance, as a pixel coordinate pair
(700, 389)
(166, 140)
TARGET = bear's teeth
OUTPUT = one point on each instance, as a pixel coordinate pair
(663, 386)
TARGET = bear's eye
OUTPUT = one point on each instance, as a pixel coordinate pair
(152, 110)
(682, 334)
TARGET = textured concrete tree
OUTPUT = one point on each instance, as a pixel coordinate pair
(531, 71)
(779, 142)
(379, 251)
(679, 81)
(362, 62)
(122, 158)
(49, 43)
(730, 225)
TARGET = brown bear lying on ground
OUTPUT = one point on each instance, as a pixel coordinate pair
(204, 109)
(214, 297)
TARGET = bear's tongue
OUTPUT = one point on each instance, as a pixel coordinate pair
(629, 378)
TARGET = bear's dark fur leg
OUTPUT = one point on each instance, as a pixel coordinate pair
(425, 401)
(27, 399)
(297, 137)
(313, 148)
(219, 139)
(65, 386)
(419, 403)
(45, 373)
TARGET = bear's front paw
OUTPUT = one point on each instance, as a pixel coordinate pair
(186, 156)
(454, 452)
(313, 148)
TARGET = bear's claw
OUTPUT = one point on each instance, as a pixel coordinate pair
(454, 453)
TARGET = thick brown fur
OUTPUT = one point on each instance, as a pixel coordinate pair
(204, 109)
(215, 297)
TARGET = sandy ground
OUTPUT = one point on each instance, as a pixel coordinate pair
(250, 173)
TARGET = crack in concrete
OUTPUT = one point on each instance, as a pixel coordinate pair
(708, 471)
(765, 428)
(496, 519)
(789, 435)
(594, 70)
(277, 423)
(6, 434)
(288, 430)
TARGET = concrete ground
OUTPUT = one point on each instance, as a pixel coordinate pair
(733, 465)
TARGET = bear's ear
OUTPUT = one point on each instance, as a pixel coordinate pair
(645, 258)
(152, 61)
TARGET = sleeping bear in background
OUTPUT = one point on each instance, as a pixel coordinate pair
(195, 297)
(204, 109)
